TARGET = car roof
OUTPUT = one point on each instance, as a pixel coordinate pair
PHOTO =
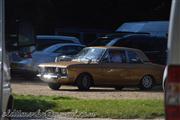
(159, 28)
(129, 36)
(59, 45)
(67, 44)
(60, 37)
(55, 37)
(141, 35)
(113, 47)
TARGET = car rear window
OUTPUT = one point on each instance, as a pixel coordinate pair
(133, 57)
(40, 45)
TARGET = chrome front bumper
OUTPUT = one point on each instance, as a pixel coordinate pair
(51, 77)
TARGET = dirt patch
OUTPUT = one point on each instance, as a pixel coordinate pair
(39, 88)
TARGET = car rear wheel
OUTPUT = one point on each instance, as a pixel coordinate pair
(147, 82)
(54, 86)
(84, 82)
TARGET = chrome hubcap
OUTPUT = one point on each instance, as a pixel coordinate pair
(147, 82)
(85, 81)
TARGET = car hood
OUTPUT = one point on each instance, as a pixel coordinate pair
(61, 64)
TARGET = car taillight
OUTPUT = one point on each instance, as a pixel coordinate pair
(172, 93)
(29, 55)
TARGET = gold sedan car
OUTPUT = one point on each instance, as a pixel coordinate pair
(116, 67)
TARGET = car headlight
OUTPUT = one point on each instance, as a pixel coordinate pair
(63, 71)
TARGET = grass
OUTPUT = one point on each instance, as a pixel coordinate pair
(126, 109)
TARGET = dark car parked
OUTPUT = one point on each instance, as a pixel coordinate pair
(102, 41)
(153, 46)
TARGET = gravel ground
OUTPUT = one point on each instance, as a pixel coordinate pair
(40, 88)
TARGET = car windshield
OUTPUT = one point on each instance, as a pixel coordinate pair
(51, 48)
(92, 54)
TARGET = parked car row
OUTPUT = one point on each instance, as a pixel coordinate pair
(45, 44)
(122, 59)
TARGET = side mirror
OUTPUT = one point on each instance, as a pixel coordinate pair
(134, 60)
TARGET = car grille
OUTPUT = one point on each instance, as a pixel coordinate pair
(50, 70)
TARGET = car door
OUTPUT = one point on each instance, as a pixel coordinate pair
(114, 69)
(135, 67)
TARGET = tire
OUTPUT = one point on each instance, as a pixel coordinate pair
(147, 82)
(10, 104)
(9, 108)
(119, 88)
(54, 86)
(84, 82)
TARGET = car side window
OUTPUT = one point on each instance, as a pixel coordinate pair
(62, 50)
(133, 57)
(117, 56)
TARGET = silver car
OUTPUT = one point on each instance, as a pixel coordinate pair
(48, 55)
(7, 96)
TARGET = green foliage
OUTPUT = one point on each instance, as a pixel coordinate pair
(127, 109)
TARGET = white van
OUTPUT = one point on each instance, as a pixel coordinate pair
(172, 74)
(7, 91)
(155, 28)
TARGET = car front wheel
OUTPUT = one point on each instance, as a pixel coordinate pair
(54, 86)
(146, 83)
(84, 82)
